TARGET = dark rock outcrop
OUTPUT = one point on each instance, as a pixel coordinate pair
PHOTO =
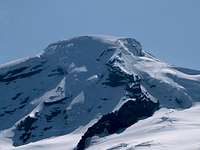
(26, 126)
(20, 76)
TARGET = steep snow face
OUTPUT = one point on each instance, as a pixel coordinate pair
(77, 80)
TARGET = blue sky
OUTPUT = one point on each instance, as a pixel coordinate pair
(170, 29)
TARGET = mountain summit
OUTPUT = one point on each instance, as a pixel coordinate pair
(91, 85)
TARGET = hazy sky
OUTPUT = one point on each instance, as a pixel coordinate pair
(170, 29)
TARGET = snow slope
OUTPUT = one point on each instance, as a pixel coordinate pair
(166, 129)
(75, 81)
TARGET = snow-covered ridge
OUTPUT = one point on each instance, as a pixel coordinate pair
(133, 45)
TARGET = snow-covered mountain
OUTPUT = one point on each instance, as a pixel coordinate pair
(87, 90)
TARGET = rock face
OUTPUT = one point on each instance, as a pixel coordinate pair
(137, 106)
